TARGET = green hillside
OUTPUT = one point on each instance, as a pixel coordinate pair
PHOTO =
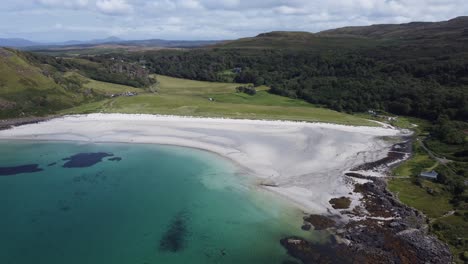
(37, 85)
(27, 90)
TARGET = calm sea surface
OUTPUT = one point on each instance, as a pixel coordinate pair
(67, 203)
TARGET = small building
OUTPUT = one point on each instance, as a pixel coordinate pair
(429, 174)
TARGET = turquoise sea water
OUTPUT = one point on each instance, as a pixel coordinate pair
(158, 204)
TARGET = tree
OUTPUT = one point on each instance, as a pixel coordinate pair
(447, 132)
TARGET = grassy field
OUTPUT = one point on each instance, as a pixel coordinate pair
(186, 97)
(433, 205)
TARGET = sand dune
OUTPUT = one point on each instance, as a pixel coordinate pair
(305, 160)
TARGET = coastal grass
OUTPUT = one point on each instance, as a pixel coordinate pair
(176, 96)
(433, 205)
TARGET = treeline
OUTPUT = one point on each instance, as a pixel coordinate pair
(352, 81)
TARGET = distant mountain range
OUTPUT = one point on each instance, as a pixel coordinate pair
(31, 45)
(452, 29)
(16, 42)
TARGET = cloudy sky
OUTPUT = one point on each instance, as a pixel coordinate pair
(59, 20)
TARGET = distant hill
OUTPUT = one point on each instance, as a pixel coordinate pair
(170, 43)
(296, 41)
(24, 43)
(114, 45)
(16, 42)
(101, 45)
(456, 28)
(357, 37)
(93, 41)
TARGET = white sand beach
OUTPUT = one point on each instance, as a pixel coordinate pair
(306, 161)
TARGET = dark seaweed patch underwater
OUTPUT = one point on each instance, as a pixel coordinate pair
(82, 160)
(174, 239)
(79, 160)
(29, 168)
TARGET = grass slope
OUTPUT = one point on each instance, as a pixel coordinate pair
(186, 97)
(26, 90)
(433, 205)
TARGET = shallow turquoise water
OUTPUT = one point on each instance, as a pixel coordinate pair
(159, 204)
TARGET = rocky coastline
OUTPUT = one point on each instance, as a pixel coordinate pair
(9, 123)
(379, 230)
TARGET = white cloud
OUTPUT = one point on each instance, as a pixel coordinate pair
(189, 4)
(288, 10)
(213, 19)
(62, 3)
(114, 7)
(160, 5)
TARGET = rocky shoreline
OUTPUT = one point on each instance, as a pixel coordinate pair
(380, 230)
(9, 123)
